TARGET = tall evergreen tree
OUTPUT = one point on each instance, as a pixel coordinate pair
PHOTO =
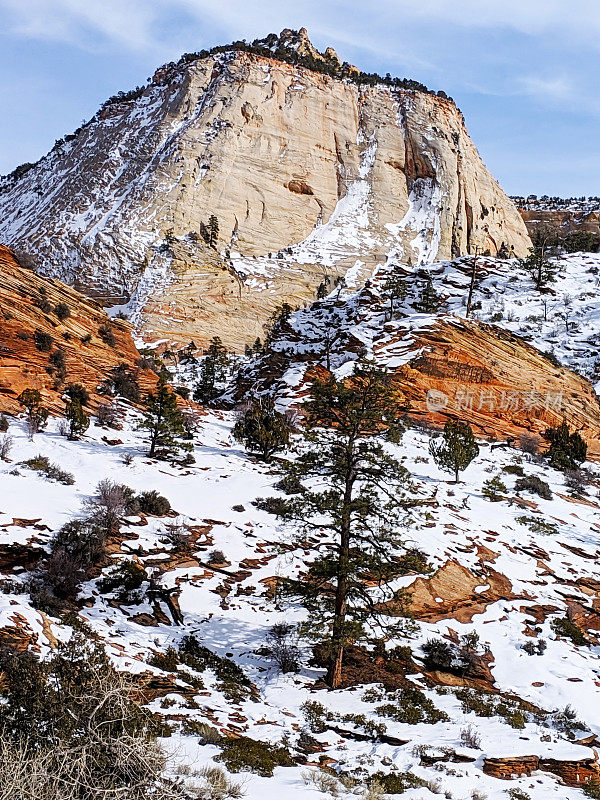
(163, 419)
(394, 290)
(456, 449)
(349, 496)
(212, 371)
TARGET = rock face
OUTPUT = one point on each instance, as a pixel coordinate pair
(28, 310)
(308, 176)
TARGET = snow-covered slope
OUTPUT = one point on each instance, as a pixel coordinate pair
(547, 553)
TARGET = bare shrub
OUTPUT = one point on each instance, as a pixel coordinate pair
(107, 415)
(178, 535)
(470, 737)
(282, 641)
(530, 443)
(6, 443)
(217, 785)
(63, 427)
(323, 781)
(109, 504)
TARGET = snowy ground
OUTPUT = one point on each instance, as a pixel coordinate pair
(542, 569)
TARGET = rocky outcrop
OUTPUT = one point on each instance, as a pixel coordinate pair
(575, 772)
(308, 175)
(40, 317)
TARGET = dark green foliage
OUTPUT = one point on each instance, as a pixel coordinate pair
(538, 525)
(105, 332)
(488, 704)
(354, 512)
(567, 450)
(394, 290)
(126, 581)
(52, 471)
(534, 647)
(493, 489)
(398, 782)
(213, 371)
(125, 383)
(167, 661)
(84, 540)
(563, 627)
(150, 502)
(231, 679)
(411, 706)
(454, 657)
(62, 311)
(3, 423)
(428, 300)
(514, 469)
(262, 429)
(77, 392)
(581, 242)
(78, 420)
(58, 363)
(531, 483)
(249, 755)
(277, 322)
(43, 341)
(592, 789)
(213, 231)
(163, 419)
(539, 268)
(411, 561)
(457, 448)
(37, 415)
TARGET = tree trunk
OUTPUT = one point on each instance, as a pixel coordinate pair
(472, 286)
(334, 673)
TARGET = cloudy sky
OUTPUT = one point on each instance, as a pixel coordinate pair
(524, 72)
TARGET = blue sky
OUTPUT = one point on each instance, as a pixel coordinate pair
(524, 72)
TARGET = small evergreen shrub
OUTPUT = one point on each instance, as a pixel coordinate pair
(493, 489)
(535, 485)
(126, 581)
(62, 311)
(43, 341)
(398, 782)
(231, 679)
(250, 755)
(3, 423)
(514, 469)
(42, 464)
(151, 502)
(563, 627)
(105, 332)
(411, 706)
(537, 525)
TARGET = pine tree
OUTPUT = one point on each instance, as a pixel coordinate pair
(456, 449)
(539, 268)
(348, 498)
(262, 429)
(428, 301)
(493, 489)
(212, 371)
(165, 422)
(79, 422)
(394, 290)
(567, 450)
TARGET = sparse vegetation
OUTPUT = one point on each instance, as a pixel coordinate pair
(535, 485)
(42, 340)
(52, 471)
